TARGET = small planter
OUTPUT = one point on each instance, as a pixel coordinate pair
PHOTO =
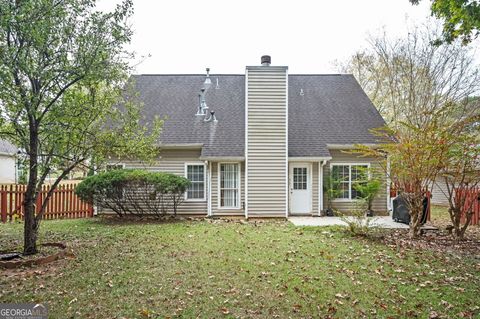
(62, 252)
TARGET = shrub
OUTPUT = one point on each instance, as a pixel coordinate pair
(368, 186)
(134, 192)
(358, 223)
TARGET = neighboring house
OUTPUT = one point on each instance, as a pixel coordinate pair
(439, 192)
(8, 165)
(270, 143)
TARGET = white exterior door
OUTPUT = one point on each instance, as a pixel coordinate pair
(300, 188)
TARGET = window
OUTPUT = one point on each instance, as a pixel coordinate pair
(195, 173)
(299, 178)
(345, 177)
(229, 187)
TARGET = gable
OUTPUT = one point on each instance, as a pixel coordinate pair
(333, 109)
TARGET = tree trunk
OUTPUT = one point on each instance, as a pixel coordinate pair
(414, 225)
(31, 224)
(416, 211)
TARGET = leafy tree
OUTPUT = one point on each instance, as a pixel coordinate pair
(414, 159)
(62, 70)
(461, 19)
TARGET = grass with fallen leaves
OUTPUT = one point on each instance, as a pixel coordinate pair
(223, 269)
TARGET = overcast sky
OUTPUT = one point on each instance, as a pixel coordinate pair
(186, 36)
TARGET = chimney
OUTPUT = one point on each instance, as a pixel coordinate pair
(266, 60)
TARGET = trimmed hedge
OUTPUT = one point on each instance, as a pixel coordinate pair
(134, 192)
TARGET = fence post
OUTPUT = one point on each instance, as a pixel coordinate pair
(3, 204)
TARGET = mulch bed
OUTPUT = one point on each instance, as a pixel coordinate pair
(437, 241)
(48, 252)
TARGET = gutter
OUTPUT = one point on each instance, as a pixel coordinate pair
(349, 146)
(309, 158)
(7, 154)
(222, 158)
(193, 146)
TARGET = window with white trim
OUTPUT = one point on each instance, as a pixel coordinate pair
(229, 185)
(195, 173)
(346, 176)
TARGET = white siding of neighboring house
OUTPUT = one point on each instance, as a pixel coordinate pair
(266, 141)
(7, 169)
(439, 193)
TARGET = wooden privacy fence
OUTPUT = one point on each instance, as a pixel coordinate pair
(63, 203)
(472, 201)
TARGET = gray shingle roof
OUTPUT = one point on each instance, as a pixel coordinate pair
(333, 110)
(7, 148)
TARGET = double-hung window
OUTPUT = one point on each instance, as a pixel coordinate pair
(229, 185)
(195, 173)
(345, 177)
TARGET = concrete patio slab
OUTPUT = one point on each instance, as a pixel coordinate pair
(381, 222)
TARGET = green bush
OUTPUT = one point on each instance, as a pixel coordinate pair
(135, 192)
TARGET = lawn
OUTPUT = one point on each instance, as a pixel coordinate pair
(222, 269)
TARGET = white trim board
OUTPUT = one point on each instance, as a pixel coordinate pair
(204, 181)
(350, 164)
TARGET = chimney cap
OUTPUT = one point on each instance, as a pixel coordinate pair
(266, 60)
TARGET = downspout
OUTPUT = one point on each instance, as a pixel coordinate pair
(209, 176)
(388, 181)
(320, 186)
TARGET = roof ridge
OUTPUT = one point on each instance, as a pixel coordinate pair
(233, 74)
(186, 74)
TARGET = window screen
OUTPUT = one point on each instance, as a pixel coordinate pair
(196, 175)
(229, 185)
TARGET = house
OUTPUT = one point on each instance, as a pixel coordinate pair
(439, 192)
(8, 165)
(260, 144)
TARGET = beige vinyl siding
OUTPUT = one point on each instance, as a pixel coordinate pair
(216, 211)
(266, 134)
(173, 161)
(339, 157)
(439, 193)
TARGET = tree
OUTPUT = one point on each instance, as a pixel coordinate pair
(461, 173)
(410, 79)
(62, 70)
(461, 19)
(415, 157)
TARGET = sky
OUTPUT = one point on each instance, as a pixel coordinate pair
(186, 36)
